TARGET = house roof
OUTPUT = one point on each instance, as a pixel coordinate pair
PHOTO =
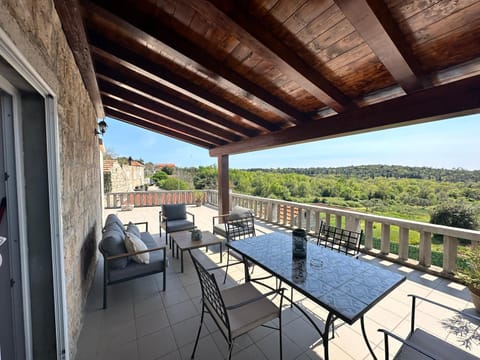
(236, 76)
(108, 164)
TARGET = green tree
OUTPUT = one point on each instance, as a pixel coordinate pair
(158, 177)
(171, 183)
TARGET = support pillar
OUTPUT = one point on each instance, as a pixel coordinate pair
(223, 185)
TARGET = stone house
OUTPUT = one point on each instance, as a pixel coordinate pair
(49, 151)
(124, 177)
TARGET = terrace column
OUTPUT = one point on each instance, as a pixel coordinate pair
(223, 185)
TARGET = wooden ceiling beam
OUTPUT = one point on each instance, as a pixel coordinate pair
(176, 115)
(151, 126)
(116, 74)
(445, 101)
(71, 19)
(373, 21)
(252, 33)
(159, 119)
(139, 27)
(106, 47)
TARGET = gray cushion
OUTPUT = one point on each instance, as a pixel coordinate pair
(174, 211)
(113, 244)
(239, 212)
(134, 269)
(179, 225)
(113, 220)
(432, 345)
(132, 228)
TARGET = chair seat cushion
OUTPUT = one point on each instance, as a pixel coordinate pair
(179, 225)
(219, 229)
(134, 270)
(431, 345)
(248, 317)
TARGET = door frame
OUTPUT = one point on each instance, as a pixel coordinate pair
(19, 63)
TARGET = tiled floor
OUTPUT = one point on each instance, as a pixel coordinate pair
(142, 322)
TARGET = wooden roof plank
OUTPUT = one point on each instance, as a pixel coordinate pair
(261, 40)
(372, 19)
(119, 115)
(156, 90)
(159, 119)
(70, 17)
(157, 69)
(152, 30)
(181, 117)
(452, 99)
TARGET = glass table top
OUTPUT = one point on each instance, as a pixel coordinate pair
(345, 285)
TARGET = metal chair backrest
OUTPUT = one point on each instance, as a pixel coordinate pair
(240, 228)
(212, 297)
(342, 240)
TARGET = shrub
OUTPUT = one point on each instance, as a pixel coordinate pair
(456, 215)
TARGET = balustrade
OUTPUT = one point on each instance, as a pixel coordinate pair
(291, 215)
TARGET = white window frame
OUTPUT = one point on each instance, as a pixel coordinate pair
(17, 61)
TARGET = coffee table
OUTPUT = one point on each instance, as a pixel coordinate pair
(182, 240)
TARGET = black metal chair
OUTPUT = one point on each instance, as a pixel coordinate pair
(238, 309)
(237, 228)
(419, 344)
(341, 240)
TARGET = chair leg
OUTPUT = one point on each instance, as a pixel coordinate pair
(226, 268)
(230, 349)
(198, 333)
(280, 331)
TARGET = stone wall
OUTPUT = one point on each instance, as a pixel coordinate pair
(125, 177)
(35, 29)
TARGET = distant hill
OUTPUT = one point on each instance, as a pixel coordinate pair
(386, 171)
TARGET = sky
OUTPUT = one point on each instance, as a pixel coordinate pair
(448, 144)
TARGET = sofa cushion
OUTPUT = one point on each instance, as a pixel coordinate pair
(133, 243)
(113, 221)
(174, 211)
(113, 244)
(133, 229)
(134, 270)
(239, 212)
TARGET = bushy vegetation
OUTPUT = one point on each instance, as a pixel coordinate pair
(397, 191)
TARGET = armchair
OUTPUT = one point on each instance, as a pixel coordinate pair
(173, 218)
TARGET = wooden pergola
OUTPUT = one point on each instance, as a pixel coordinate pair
(238, 76)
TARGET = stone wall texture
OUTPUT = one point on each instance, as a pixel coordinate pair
(125, 177)
(35, 29)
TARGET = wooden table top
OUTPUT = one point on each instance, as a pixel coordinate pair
(184, 241)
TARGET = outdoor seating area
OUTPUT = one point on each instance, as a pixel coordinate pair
(143, 322)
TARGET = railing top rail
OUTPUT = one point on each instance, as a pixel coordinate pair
(410, 224)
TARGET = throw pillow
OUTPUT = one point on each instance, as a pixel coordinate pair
(133, 244)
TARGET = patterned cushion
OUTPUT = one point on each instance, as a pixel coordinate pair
(133, 243)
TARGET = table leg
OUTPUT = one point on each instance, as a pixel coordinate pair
(221, 253)
(181, 260)
(362, 323)
(330, 318)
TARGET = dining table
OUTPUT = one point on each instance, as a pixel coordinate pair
(346, 287)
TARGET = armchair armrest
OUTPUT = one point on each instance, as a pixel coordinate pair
(192, 215)
(218, 218)
(119, 256)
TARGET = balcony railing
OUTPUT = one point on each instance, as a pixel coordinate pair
(291, 214)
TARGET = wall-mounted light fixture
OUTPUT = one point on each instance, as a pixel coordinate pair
(102, 127)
